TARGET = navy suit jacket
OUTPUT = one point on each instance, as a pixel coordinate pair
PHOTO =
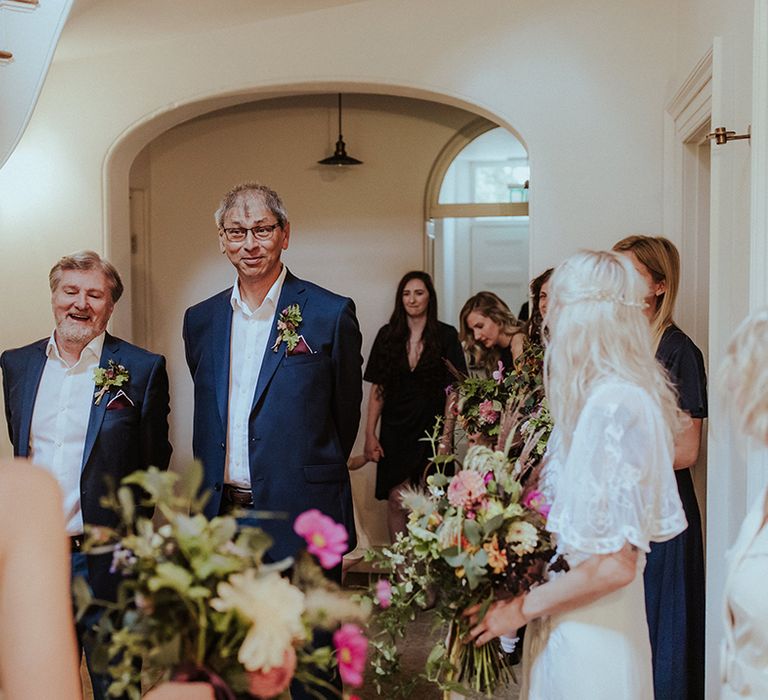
(117, 442)
(305, 411)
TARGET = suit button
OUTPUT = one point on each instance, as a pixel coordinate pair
(217, 487)
(222, 446)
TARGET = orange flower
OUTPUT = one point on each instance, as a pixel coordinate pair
(496, 558)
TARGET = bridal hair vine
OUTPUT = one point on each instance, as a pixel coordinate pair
(600, 295)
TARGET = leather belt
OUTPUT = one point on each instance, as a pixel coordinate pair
(76, 543)
(237, 496)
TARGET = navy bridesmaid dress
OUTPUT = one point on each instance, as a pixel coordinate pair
(674, 572)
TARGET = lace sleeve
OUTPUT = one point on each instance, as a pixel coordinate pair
(617, 482)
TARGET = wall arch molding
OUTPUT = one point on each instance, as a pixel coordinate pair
(130, 142)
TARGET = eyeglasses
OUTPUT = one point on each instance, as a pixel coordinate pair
(260, 233)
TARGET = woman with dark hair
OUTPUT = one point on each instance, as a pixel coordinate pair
(674, 572)
(408, 373)
(487, 329)
(539, 301)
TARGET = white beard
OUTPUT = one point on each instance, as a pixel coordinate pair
(73, 332)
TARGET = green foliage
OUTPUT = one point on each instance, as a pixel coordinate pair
(163, 617)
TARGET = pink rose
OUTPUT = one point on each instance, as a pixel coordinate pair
(467, 487)
(273, 681)
(325, 538)
(351, 648)
(486, 412)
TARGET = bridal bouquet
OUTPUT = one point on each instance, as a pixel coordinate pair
(470, 539)
(199, 603)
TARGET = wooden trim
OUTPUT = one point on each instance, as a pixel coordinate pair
(458, 211)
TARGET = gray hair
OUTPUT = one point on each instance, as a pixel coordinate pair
(270, 198)
(88, 260)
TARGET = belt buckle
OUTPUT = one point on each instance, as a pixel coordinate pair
(238, 496)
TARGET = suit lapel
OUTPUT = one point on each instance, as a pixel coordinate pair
(221, 340)
(110, 351)
(34, 373)
(293, 292)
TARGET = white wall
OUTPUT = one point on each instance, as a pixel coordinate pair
(583, 83)
(353, 230)
(727, 29)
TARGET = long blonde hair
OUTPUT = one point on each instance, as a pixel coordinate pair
(743, 376)
(598, 331)
(491, 306)
(661, 258)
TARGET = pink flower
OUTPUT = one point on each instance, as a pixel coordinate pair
(325, 538)
(466, 488)
(534, 500)
(351, 648)
(488, 477)
(498, 375)
(384, 592)
(486, 412)
(273, 681)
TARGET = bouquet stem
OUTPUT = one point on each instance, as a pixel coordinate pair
(481, 669)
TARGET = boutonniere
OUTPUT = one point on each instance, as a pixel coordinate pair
(287, 325)
(105, 379)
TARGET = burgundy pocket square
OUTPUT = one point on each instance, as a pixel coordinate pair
(119, 400)
(302, 348)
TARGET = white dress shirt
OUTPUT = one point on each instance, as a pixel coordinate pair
(250, 335)
(60, 422)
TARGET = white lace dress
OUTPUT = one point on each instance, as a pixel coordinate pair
(614, 485)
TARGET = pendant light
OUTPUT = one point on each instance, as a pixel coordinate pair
(340, 156)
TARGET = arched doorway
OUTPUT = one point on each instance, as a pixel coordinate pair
(477, 217)
(355, 231)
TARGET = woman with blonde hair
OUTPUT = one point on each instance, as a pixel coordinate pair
(743, 384)
(610, 479)
(486, 328)
(674, 574)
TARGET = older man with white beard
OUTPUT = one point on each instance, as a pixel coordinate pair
(88, 407)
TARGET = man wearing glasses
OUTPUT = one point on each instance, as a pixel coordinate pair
(276, 365)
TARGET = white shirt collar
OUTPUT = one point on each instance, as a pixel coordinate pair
(93, 348)
(273, 295)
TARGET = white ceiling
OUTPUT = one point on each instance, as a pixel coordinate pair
(97, 26)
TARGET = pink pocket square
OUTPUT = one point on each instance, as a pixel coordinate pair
(119, 400)
(302, 348)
